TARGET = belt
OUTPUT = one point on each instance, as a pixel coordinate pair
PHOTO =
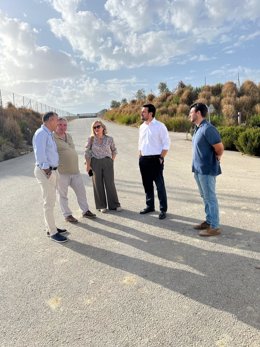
(53, 168)
(151, 156)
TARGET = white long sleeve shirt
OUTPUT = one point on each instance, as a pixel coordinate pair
(153, 138)
(45, 149)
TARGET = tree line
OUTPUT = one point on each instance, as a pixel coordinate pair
(234, 110)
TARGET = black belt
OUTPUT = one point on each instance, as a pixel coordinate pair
(53, 168)
(151, 156)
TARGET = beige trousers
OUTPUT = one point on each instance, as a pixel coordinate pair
(77, 184)
(48, 188)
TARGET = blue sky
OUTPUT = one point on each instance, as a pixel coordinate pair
(79, 55)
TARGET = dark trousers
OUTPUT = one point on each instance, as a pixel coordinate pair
(152, 171)
(105, 193)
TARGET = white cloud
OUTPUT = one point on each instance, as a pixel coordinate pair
(127, 35)
(23, 60)
(134, 32)
(231, 73)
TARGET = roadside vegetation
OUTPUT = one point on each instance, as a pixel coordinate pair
(17, 126)
(234, 111)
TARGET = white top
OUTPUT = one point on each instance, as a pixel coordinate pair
(153, 138)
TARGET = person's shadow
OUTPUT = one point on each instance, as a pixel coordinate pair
(220, 279)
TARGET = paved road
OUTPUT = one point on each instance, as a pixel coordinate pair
(127, 279)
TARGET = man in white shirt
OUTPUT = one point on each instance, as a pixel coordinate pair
(47, 161)
(154, 143)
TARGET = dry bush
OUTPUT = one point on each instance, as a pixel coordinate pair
(250, 89)
(216, 89)
(187, 97)
(202, 100)
(229, 111)
(169, 98)
(245, 105)
(257, 109)
(206, 95)
(173, 99)
(229, 90)
(12, 131)
(162, 110)
(150, 97)
(228, 101)
(216, 102)
(172, 110)
(163, 97)
(183, 110)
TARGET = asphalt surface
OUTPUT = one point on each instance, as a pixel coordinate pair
(127, 279)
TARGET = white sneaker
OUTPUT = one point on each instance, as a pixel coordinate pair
(103, 210)
(119, 209)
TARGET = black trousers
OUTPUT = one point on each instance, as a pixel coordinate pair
(152, 171)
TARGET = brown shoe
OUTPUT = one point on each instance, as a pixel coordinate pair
(89, 214)
(210, 232)
(71, 219)
(202, 226)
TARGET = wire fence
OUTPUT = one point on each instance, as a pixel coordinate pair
(7, 97)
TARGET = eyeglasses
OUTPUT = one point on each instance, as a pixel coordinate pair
(97, 127)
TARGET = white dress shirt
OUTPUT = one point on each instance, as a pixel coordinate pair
(153, 138)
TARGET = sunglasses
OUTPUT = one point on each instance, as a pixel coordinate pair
(97, 127)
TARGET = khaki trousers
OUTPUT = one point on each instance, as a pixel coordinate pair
(48, 188)
(77, 184)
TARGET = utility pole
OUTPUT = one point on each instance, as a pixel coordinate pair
(238, 81)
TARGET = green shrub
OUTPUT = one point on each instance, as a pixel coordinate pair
(217, 120)
(249, 141)
(126, 118)
(229, 136)
(254, 121)
(178, 124)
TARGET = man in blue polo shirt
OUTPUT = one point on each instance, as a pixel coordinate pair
(207, 151)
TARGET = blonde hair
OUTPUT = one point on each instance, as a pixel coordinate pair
(102, 125)
(62, 119)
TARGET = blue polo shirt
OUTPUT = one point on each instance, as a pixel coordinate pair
(204, 159)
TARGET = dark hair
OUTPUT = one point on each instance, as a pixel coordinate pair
(151, 108)
(199, 106)
(48, 115)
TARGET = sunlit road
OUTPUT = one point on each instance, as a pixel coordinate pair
(126, 279)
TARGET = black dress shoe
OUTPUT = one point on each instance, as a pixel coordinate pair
(162, 215)
(147, 210)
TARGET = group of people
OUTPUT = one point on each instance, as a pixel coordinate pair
(57, 167)
(207, 147)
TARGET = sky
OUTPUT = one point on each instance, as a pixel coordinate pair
(80, 55)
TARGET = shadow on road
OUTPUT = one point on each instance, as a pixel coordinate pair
(231, 285)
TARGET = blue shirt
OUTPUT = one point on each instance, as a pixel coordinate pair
(204, 159)
(45, 149)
